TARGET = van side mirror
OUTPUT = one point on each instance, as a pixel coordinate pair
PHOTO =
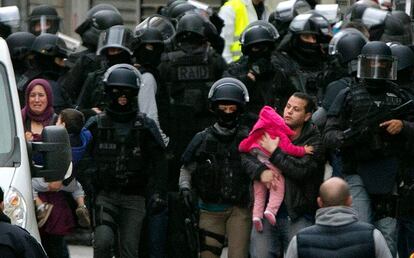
(55, 153)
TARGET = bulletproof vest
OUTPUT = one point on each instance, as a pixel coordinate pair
(376, 153)
(118, 153)
(93, 92)
(191, 76)
(347, 241)
(365, 104)
(219, 177)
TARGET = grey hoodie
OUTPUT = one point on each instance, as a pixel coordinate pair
(338, 216)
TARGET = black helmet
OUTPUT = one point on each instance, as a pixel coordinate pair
(122, 76)
(49, 45)
(43, 18)
(178, 10)
(149, 35)
(191, 23)
(405, 56)
(148, 54)
(117, 36)
(406, 20)
(258, 32)
(347, 45)
(101, 7)
(91, 28)
(228, 90)
(377, 62)
(20, 44)
(311, 23)
(285, 12)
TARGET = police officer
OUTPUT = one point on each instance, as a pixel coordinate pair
(43, 19)
(367, 124)
(49, 52)
(255, 68)
(99, 18)
(188, 74)
(304, 54)
(130, 158)
(212, 168)
(115, 48)
(20, 44)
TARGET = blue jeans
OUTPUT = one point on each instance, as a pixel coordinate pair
(119, 220)
(273, 241)
(405, 237)
(361, 202)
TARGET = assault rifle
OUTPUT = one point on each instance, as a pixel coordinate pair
(372, 121)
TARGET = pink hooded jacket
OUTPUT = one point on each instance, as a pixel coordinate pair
(271, 122)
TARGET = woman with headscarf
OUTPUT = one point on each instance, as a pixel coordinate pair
(37, 113)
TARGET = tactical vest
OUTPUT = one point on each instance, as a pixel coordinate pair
(191, 77)
(118, 154)
(363, 105)
(219, 177)
(349, 241)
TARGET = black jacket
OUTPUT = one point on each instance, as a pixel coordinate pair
(17, 242)
(303, 176)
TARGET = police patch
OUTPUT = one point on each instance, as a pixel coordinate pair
(190, 73)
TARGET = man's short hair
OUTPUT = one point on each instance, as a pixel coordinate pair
(310, 102)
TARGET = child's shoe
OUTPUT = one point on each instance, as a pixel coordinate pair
(270, 217)
(42, 213)
(84, 219)
(257, 223)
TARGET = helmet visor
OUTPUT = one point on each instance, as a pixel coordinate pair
(160, 23)
(115, 37)
(44, 24)
(377, 67)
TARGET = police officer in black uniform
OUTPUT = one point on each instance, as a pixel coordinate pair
(367, 124)
(188, 74)
(304, 54)
(129, 155)
(256, 69)
(99, 18)
(43, 19)
(49, 52)
(212, 168)
(115, 48)
(20, 44)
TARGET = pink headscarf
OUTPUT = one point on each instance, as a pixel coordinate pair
(47, 114)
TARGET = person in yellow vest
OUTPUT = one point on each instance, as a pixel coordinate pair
(237, 14)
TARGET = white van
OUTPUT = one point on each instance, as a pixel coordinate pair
(15, 161)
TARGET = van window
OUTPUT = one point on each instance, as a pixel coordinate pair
(7, 124)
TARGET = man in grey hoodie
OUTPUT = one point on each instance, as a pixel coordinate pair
(337, 232)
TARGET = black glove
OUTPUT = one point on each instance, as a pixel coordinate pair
(157, 204)
(187, 197)
(261, 67)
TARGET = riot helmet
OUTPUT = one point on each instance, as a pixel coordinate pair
(406, 21)
(115, 44)
(177, 11)
(228, 91)
(160, 23)
(311, 32)
(149, 47)
(259, 36)
(405, 56)
(122, 83)
(190, 35)
(330, 11)
(346, 46)
(285, 12)
(91, 28)
(49, 45)
(43, 19)
(20, 44)
(377, 62)
(100, 7)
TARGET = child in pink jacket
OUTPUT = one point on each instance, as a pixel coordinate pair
(272, 123)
